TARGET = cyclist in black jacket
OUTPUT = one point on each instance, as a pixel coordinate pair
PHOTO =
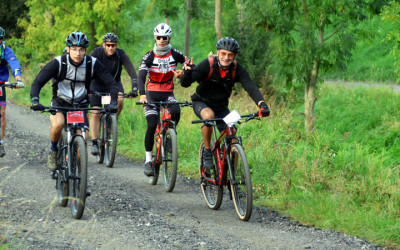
(216, 77)
(71, 86)
(113, 58)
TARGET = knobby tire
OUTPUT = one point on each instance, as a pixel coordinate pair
(111, 140)
(240, 182)
(170, 161)
(78, 178)
(101, 141)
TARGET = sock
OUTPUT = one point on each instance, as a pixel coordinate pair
(54, 146)
(149, 156)
(1, 142)
(94, 142)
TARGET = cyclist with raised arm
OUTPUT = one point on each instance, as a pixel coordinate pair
(216, 76)
(7, 57)
(160, 64)
(113, 58)
(74, 72)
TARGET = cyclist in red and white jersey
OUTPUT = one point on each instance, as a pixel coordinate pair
(160, 64)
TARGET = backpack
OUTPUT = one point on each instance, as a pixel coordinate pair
(63, 72)
(211, 60)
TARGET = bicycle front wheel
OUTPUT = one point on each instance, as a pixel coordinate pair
(101, 141)
(78, 177)
(240, 182)
(111, 140)
(212, 192)
(156, 162)
(170, 160)
(62, 184)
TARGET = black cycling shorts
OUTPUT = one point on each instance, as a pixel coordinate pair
(3, 98)
(219, 112)
(95, 87)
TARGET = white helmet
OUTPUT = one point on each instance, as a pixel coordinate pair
(162, 29)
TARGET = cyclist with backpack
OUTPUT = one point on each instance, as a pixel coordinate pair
(216, 76)
(73, 73)
(160, 63)
(7, 57)
(113, 58)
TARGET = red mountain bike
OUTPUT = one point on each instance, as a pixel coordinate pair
(166, 146)
(230, 169)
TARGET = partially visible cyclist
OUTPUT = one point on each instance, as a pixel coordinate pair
(113, 58)
(7, 57)
(160, 63)
(74, 72)
(216, 76)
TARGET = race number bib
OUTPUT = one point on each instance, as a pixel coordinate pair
(106, 100)
(75, 117)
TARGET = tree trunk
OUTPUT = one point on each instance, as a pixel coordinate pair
(218, 29)
(92, 34)
(309, 103)
(187, 26)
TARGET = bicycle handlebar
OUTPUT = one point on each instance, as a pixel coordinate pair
(248, 118)
(182, 104)
(66, 109)
(11, 85)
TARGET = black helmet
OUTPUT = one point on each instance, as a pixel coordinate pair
(2, 33)
(110, 37)
(77, 38)
(228, 44)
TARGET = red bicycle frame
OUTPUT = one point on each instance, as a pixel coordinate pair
(161, 127)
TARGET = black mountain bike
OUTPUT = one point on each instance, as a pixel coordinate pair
(166, 146)
(71, 171)
(230, 169)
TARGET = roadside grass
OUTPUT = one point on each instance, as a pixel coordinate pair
(344, 176)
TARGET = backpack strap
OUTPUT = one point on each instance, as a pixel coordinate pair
(234, 71)
(211, 60)
(63, 69)
(88, 76)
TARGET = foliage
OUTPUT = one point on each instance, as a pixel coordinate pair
(10, 11)
(391, 13)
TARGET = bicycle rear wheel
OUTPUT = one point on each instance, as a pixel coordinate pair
(111, 140)
(240, 182)
(212, 192)
(170, 160)
(101, 141)
(78, 177)
(62, 184)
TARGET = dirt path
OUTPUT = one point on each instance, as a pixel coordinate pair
(124, 211)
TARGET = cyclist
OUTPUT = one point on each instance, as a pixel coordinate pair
(6, 57)
(113, 58)
(73, 72)
(160, 64)
(216, 76)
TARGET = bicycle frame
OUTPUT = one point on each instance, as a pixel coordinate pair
(162, 128)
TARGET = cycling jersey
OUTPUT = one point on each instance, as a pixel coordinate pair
(72, 89)
(218, 88)
(160, 71)
(114, 65)
(7, 56)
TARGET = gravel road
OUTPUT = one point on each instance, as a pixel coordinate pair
(124, 211)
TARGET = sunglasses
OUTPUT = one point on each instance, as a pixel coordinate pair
(111, 45)
(162, 37)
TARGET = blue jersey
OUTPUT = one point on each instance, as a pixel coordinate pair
(7, 56)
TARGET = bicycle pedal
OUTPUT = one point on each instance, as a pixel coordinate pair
(54, 175)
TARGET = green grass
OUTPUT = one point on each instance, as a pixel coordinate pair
(344, 177)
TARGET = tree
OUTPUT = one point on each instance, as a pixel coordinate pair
(217, 24)
(187, 25)
(391, 13)
(308, 37)
(10, 11)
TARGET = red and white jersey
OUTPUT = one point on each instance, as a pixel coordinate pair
(160, 70)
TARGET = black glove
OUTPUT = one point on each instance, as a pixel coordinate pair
(36, 105)
(264, 110)
(112, 107)
(134, 92)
